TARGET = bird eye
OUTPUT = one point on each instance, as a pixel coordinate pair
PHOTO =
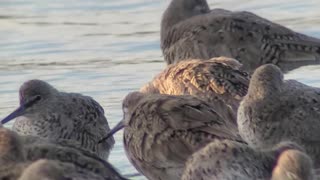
(32, 101)
(37, 98)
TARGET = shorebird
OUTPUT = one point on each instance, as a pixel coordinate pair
(12, 157)
(44, 169)
(276, 110)
(189, 29)
(17, 152)
(46, 112)
(218, 81)
(66, 151)
(162, 131)
(229, 160)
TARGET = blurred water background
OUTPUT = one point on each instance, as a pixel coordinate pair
(107, 48)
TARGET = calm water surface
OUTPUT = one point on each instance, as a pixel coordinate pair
(107, 48)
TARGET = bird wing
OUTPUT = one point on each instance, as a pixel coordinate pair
(215, 79)
(220, 78)
(88, 121)
(304, 104)
(36, 148)
(242, 35)
(190, 114)
(165, 130)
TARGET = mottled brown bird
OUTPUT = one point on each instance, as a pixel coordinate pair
(46, 112)
(276, 110)
(218, 81)
(229, 160)
(189, 30)
(162, 131)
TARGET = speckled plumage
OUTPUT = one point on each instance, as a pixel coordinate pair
(69, 152)
(229, 160)
(61, 115)
(189, 29)
(275, 110)
(162, 131)
(18, 152)
(218, 81)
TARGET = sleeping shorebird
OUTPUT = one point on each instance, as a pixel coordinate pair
(229, 160)
(69, 152)
(18, 152)
(276, 110)
(46, 112)
(12, 157)
(162, 131)
(44, 169)
(189, 29)
(218, 81)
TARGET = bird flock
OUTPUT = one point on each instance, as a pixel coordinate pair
(220, 110)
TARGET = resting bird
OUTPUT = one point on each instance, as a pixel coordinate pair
(12, 158)
(68, 152)
(218, 81)
(189, 30)
(162, 131)
(46, 112)
(276, 110)
(229, 160)
(44, 169)
(18, 152)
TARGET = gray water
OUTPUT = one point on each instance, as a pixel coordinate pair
(107, 48)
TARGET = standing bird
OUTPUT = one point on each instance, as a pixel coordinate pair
(46, 112)
(218, 81)
(189, 29)
(229, 160)
(162, 131)
(276, 110)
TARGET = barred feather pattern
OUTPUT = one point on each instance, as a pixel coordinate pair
(217, 81)
(163, 130)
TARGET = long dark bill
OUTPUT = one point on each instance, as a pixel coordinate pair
(114, 130)
(21, 109)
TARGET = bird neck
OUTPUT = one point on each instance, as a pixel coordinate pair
(264, 89)
(169, 19)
